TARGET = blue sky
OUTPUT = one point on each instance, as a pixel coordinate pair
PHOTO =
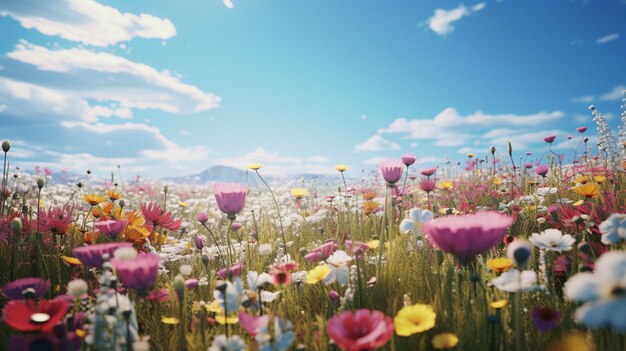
(168, 88)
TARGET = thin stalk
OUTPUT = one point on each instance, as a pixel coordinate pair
(280, 218)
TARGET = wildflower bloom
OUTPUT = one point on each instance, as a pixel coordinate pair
(31, 316)
(92, 255)
(581, 129)
(317, 274)
(360, 330)
(156, 216)
(414, 319)
(321, 252)
(541, 170)
(203, 217)
(94, 199)
(139, 273)
(545, 318)
(298, 193)
(519, 251)
(408, 159)
(499, 304)
(26, 288)
(252, 323)
(588, 190)
(56, 220)
(232, 271)
(427, 185)
(415, 220)
(392, 171)
(550, 138)
(602, 292)
(110, 227)
(428, 171)
(341, 168)
(113, 195)
(500, 264)
(445, 185)
(613, 229)
(230, 197)
(255, 166)
(514, 281)
(552, 240)
(467, 236)
(445, 341)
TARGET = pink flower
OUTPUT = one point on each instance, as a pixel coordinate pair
(230, 197)
(581, 129)
(92, 255)
(360, 330)
(467, 236)
(550, 138)
(32, 288)
(156, 216)
(427, 185)
(429, 171)
(110, 227)
(139, 273)
(203, 217)
(358, 247)
(226, 273)
(252, 323)
(321, 252)
(392, 171)
(408, 159)
(56, 221)
(158, 295)
(542, 170)
(236, 226)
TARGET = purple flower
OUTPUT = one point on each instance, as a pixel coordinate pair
(392, 171)
(199, 242)
(408, 159)
(528, 165)
(545, 318)
(581, 129)
(203, 217)
(32, 288)
(236, 226)
(92, 255)
(234, 270)
(110, 227)
(191, 283)
(429, 171)
(427, 185)
(230, 197)
(542, 170)
(139, 273)
(467, 236)
(550, 138)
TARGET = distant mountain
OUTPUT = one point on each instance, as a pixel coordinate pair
(217, 174)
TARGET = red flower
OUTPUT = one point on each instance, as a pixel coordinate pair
(29, 316)
(156, 216)
(360, 330)
(57, 220)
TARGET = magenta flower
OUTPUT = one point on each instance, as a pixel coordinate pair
(252, 323)
(203, 217)
(56, 221)
(110, 227)
(139, 273)
(158, 295)
(92, 255)
(428, 171)
(392, 170)
(581, 129)
(545, 318)
(26, 288)
(232, 271)
(230, 197)
(467, 236)
(192, 283)
(528, 165)
(408, 159)
(236, 226)
(199, 242)
(542, 170)
(321, 252)
(550, 138)
(427, 185)
(156, 216)
(360, 330)
(358, 248)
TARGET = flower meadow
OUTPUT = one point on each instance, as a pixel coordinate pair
(493, 253)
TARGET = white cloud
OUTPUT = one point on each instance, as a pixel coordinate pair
(449, 128)
(318, 159)
(184, 132)
(106, 77)
(607, 38)
(228, 3)
(441, 21)
(375, 161)
(617, 93)
(86, 21)
(376, 143)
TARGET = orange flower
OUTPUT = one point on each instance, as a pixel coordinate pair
(93, 199)
(369, 195)
(369, 207)
(72, 261)
(113, 194)
(135, 234)
(90, 237)
(588, 190)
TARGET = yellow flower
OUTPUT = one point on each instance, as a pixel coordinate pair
(445, 185)
(448, 211)
(169, 320)
(531, 208)
(470, 155)
(445, 341)
(599, 179)
(214, 307)
(80, 333)
(113, 195)
(369, 207)
(298, 193)
(341, 168)
(500, 264)
(255, 166)
(221, 319)
(183, 204)
(573, 342)
(93, 199)
(499, 304)
(578, 203)
(581, 180)
(414, 319)
(497, 181)
(72, 261)
(317, 274)
(588, 190)
(373, 244)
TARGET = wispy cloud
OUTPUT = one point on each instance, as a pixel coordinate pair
(86, 21)
(442, 21)
(277, 164)
(614, 94)
(376, 143)
(607, 38)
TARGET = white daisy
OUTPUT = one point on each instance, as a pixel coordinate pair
(552, 240)
(613, 229)
(514, 281)
(413, 223)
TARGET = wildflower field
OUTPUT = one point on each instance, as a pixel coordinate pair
(492, 254)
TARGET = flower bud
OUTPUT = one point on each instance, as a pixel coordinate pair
(166, 188)
(77, 288)
(492, 149)
(205, 259)
(510, 148)
(519, 251)
(6, 146)
(199, 242)
(16, 225)
(333, 295)
(40, 183)
(179, 285)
